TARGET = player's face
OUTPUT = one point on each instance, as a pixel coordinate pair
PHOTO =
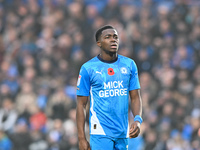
(109, 40)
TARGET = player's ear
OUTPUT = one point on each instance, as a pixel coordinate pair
(98, 43)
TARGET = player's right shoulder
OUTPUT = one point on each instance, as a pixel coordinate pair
(90, 63)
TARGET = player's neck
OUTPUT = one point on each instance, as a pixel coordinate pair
(108, 56)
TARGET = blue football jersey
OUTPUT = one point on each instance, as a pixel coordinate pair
(108, 85)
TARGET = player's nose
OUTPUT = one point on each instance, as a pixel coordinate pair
(113, 39)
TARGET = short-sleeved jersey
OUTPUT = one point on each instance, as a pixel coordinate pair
(108, 85)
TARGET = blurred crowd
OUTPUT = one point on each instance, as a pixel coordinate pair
(43, 43)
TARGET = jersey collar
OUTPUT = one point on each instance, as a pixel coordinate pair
(112, 61)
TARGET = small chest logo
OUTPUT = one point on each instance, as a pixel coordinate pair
(123, 70)
(111, 71)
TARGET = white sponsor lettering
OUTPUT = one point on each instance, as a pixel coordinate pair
(113, 92)
(113, 88)
(106, 86)
(113, 84)
(120, 84)
(117, 92)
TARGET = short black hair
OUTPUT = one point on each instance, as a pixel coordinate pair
(100, 30)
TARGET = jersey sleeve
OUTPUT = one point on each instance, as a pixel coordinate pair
(83, 83)
(134, 80)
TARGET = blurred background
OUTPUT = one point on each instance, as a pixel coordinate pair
(43, 43)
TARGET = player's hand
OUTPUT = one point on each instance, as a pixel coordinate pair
(84, 145)
(134, 129)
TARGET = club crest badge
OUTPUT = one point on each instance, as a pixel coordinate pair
(123, 70)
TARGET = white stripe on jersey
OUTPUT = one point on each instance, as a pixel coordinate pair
(127, 134)
(94, 120)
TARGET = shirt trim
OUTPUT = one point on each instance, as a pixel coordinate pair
(105, 61)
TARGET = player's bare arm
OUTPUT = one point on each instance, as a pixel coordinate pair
(136, 106)
(80, 119)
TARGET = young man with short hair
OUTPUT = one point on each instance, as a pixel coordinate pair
(109, 79)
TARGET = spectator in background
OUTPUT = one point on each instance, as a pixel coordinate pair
(25, 99)
(8, 115)
(176, 142)
(151, 138)
(111, 10)
(196, 75)
(5, 142)
(21, 138)
(5, 92)
(9, 79)
(37, 119)
(42, 97)
(38, 141)
(58, 105)
(69, 124)
(196, 98)
(55, 136)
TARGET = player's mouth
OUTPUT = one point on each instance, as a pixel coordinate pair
(114, 45)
